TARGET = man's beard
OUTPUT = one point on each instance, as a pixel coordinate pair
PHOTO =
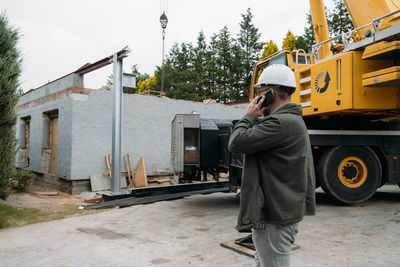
(267, 111)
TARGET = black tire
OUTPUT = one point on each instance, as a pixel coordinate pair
(349, 174)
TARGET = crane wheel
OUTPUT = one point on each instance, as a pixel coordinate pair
(349, 174)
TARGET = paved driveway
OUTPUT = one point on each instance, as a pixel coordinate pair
(188, 232)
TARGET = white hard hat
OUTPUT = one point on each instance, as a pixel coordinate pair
(277, 74)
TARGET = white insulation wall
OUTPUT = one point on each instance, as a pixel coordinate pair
(146, 126)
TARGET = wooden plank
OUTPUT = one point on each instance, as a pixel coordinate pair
(108, 166)
(127, 169)
(130, 164)
(162, 180)
(238, 248)
(95, 199)
(245, 250)
(123, 172)
(140, 178)
(132, 183)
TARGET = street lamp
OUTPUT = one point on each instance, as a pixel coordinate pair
(163, 22)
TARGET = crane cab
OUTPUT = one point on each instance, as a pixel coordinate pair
(296, 59)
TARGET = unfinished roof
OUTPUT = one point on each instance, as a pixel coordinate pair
(86, 68)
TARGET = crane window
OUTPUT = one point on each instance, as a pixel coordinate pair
(279, 59)
(302, 59)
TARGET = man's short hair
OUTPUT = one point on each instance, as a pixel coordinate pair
(283, 92)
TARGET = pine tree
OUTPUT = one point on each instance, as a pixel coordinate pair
(10, 69)
(225, 66)
(250, 46)
(172, 69)
(179, 70)
(301, 43)
(269, 49)
(308, 36)
(339, 19)
(212, 69)
(220, 70)
(289, 42)
(200, 71)
(240, 77)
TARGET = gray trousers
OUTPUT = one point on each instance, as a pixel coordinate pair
(273, 244)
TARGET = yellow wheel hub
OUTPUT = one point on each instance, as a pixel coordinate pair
(352, 172)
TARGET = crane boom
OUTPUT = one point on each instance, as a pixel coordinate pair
(362, 12)
(320, 26)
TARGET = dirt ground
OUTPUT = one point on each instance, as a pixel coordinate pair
(33, 199)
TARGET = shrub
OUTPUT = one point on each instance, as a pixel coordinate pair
(21, 180)
(10, 69)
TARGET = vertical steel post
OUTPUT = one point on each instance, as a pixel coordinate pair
(116, 122)
(116, 119)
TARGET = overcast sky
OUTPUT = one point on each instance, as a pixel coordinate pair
(58, 37)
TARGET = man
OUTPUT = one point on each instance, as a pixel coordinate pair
(278, 176)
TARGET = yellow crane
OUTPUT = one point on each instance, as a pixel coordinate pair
(348, 87)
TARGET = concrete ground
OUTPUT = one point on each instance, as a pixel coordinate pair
(188, 232)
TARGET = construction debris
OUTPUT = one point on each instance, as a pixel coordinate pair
(245, 246)
(159, 180)
(129, 172)
(45, 193)
(130, 201)
(140, 178)
(108, 162)
(132, 182)
(232, 245)
(209, 101)
(135, 179)
(95, 199)
(146, 195)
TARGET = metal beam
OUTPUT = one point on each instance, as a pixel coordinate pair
(117, 118)
(91, 67)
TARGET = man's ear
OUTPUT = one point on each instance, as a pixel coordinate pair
(273, 91)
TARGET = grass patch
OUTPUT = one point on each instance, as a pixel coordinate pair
(11, 217)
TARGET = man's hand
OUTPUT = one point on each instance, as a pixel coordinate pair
(254, 107)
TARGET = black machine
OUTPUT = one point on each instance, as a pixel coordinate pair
(214, 155)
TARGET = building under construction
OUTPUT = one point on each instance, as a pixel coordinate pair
(64, 130)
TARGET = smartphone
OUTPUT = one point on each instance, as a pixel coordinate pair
(269, 98)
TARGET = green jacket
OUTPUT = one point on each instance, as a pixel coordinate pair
(278, 182)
